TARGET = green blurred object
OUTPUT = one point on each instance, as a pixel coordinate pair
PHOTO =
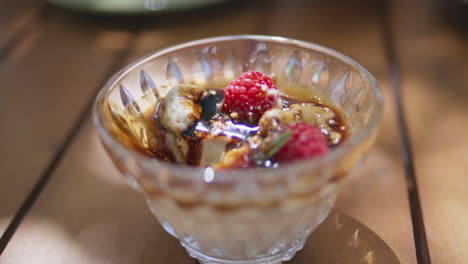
(132, 6)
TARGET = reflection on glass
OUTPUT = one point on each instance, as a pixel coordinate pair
(341, 239)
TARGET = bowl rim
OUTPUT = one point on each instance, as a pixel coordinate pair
(188, 171)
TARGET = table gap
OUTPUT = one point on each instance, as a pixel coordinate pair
(419, 231)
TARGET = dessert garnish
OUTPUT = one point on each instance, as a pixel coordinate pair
(249, 96)
(249, 123)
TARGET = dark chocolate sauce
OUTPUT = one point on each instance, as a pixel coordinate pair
(195, 133)
(210, 103)
(162, 150)
(213, 122)
(336, 123)
(209, 111)
(194, 154)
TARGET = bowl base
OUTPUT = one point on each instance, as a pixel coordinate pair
(275, 259)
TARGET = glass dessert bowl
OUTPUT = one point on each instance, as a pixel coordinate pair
(260, 214)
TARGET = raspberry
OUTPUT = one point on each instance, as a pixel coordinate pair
(306, 142)
(249, 96)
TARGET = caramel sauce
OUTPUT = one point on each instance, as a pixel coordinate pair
(238, 130)
(337, 123)
(162, 150)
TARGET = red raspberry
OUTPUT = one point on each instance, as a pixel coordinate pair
(249, 96)
(306, 142)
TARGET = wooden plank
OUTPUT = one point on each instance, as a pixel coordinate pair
(45, 86)
(17, 16)
(375, 194)
(433, 54)
(87, 214)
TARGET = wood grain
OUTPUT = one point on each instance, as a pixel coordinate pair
(45, 86)
(16, 16)
(433, 54)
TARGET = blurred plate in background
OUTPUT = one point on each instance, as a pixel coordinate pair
(132, 6)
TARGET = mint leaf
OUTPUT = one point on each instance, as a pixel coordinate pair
(273, 147)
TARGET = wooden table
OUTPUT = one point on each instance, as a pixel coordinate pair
(58, 189)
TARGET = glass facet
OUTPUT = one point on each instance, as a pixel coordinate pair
(236, 216)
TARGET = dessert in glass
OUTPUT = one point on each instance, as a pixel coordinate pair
(239, 143)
